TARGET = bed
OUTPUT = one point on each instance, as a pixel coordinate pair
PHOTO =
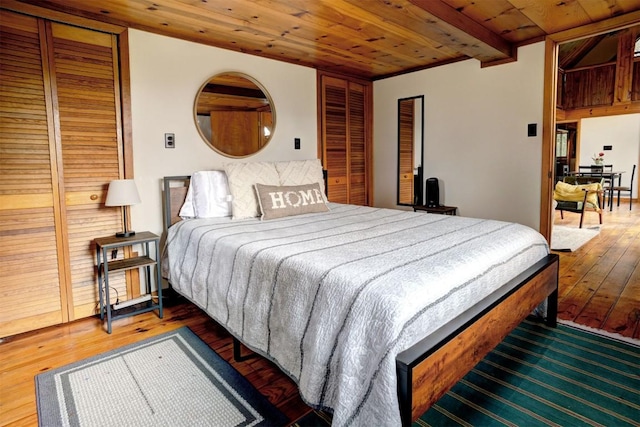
(375, 313)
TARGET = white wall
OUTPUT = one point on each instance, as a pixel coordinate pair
(622, 133)
(166, 74)
(475, 135)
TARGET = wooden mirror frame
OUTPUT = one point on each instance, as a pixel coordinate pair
(410, 150)
(244, 112)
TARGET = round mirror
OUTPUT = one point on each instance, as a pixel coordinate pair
(234, 114)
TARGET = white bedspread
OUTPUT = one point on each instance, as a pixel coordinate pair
(332, 298)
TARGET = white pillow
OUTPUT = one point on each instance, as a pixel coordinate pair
(242, 177)
(187, 211)
(208, 196)
(300, 172)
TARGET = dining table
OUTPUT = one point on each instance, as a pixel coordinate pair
(610, 175)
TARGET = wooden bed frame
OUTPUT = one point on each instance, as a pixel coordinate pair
(427, 370)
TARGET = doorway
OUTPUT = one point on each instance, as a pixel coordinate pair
(565, 149)
(552, 116)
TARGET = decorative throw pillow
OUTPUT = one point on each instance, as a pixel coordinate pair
(241, 178)
(299, 172)
(288, 200)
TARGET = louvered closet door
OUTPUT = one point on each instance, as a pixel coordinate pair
(84, 69)
(357, 145)
(59, 148)
(345, 140)
(334, 105)
(31, 295)
(406, 143)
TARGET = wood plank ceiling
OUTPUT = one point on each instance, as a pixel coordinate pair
(371, 39)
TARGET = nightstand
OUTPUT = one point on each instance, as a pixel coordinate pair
(443, 210)
(104, 247)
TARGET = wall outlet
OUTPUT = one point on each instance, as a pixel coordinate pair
(296, 143)
(169, 140)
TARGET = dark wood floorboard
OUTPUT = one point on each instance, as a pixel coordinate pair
(599, 287)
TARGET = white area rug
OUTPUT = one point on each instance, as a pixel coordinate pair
(568, 239)
(173, 379)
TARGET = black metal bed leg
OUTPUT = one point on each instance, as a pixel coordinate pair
(237, 351)
(552, 309)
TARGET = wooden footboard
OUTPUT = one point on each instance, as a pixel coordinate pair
(431, 367)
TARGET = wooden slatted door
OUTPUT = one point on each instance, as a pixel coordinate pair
(30, 282)
(334, 132)
(358, 147)
(345, 135)
(59, 148)
(84, 69)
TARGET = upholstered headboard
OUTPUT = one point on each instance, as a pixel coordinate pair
(175, 191)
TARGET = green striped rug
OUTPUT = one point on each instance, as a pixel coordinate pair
(541, 376)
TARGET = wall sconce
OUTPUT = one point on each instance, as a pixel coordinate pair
(123, 192)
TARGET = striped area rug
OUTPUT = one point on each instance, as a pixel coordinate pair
(541, 376)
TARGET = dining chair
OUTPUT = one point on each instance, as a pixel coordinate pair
(584, 169)
(607, 183)
(625, 189)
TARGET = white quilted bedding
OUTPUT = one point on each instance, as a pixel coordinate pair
(333, 297)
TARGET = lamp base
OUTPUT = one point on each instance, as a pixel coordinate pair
(126, 234)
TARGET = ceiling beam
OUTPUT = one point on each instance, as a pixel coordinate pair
(462, 22)
(581, 48)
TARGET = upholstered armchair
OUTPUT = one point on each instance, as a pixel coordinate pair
(579, 194)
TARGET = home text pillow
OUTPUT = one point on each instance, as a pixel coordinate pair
(277, 201)
(299, 172)
(242, 177)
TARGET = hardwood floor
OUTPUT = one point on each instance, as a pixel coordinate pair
(600, 282)
(22, 357)
(599, 287)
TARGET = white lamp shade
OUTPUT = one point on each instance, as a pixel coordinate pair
(122, 192)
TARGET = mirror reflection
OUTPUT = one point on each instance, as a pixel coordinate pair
(410, 147)
(234, 114)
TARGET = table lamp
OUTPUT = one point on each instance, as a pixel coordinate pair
(123, 192)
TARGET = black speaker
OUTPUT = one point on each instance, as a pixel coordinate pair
(433, 193)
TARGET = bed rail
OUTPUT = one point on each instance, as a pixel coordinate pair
(463, 342)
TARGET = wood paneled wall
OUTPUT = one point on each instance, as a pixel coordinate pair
(614, 83)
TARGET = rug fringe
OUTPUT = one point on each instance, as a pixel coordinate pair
(612, 335)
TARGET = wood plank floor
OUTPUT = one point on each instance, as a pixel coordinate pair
(599, 287)
(24, 356)
(600, 282)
